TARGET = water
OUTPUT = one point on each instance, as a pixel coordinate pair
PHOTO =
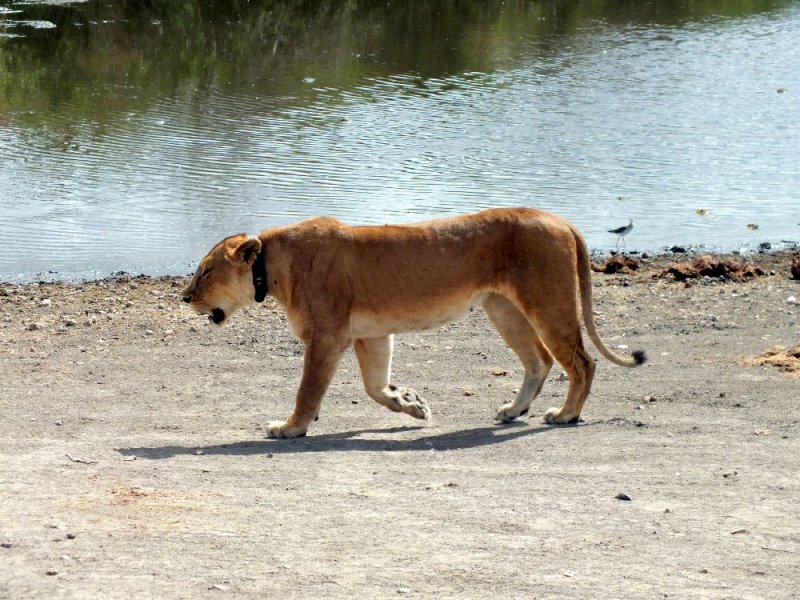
(135, 138)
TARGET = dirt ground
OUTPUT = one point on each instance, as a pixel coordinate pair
(134, 464)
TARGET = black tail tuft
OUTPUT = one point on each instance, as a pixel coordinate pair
(640, 357)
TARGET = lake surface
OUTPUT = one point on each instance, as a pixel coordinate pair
(134, 137)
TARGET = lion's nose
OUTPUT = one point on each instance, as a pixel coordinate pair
(187, 298)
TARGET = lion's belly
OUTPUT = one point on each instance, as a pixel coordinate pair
(377, 324)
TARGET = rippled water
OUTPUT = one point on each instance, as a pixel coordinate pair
(654, 121)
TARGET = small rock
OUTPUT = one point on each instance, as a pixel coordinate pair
(739, 531)
(219, 586)
(45, 302)
(71, 536)
(791, 300)
(33, 327)
(469, 392)
(70, 322)
(52, 572)
(6, 545)
(622, 496)
(59, 423)
(499, 372)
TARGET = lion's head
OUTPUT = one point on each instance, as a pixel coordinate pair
(223, 282)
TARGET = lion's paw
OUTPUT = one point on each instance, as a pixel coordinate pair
(279, 429)
(556, 416)
(413, 404)
(509, 412)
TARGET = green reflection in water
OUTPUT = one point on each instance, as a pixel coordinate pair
(102, 60)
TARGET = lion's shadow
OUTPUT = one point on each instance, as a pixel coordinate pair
(350, 441)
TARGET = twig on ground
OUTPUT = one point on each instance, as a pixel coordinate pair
(81, 460)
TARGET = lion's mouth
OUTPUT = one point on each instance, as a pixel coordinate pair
(217, 316)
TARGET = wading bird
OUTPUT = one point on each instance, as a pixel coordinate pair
(622, 232)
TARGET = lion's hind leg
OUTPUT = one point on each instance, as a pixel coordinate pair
(375, 359)
(562, 336)
(517, 332)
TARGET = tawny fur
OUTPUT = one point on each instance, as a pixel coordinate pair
(345, 286)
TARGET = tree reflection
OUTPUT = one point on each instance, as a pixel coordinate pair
(105, 59)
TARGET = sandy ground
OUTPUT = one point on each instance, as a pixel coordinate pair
(133, 460)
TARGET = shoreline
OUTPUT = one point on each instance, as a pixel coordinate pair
(677, 254)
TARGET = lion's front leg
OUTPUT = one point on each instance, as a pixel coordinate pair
(319, 366)
(375, 359)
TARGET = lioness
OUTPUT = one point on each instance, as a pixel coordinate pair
(347, 286)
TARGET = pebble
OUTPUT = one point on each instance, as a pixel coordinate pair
(52, 572)
(71, 536)
(33, 327)
(45, 302)
(791, 300)
(70, 322)
(6, 545)
(622, 496)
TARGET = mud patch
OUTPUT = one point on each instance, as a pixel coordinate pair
(707, 266)
(625, 265)
(786, 359)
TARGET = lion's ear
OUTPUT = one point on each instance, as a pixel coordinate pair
(244, 253)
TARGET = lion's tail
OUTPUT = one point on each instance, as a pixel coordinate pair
(584, 269)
